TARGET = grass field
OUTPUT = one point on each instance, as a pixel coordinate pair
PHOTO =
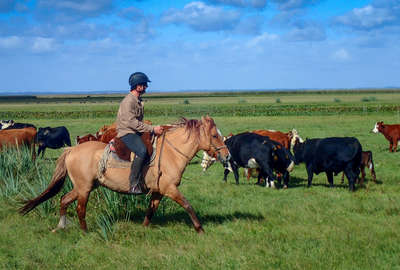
(247, 226)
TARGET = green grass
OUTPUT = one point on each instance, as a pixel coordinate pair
(247, 226)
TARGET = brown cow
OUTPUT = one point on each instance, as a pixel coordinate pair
(366, 161)
(104, 128)
(17, 137)
(391, 133)
(111, 132)
(86, 138)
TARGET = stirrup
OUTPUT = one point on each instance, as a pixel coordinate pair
(136, 190)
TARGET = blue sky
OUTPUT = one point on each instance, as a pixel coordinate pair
(94, 45)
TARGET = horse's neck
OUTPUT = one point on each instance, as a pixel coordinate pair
(186, 145)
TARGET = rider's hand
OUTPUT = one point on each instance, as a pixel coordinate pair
(158, 130)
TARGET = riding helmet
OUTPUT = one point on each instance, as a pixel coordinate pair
(137, 78)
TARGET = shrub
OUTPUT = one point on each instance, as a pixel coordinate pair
(278, 100)
(336, 100)
(242, 101)
(186, 101)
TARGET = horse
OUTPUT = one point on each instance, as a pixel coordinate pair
(175, 148)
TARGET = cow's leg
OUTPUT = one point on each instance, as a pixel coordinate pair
(44, 149)
(177, 196)
(351, 175)
(373, 173)
(236, 174)
(226, 172)
(285, 180)
(361, 182)
(154, 203)
(40, 149)
(391, 146)
(310, 175)
(267, 172)
(329, 175)
(342, 181)
(66, 200)
(395, 139)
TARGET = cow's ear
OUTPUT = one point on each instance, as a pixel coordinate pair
(46, 132)
(274, 148)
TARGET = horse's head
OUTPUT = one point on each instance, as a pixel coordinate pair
(211, 140)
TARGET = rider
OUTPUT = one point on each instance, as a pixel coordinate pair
(130, 127)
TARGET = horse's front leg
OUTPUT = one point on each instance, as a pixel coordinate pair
(153, 205)
(177, 196)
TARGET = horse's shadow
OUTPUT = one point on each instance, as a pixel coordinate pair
(182, 216)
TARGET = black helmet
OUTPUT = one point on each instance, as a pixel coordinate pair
(137, 78)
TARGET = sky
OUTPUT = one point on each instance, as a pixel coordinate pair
(94, 45)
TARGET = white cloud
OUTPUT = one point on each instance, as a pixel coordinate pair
(202, 17)
(368, 17)
(341, 55)
(10, 42)
(261, 39)
(41, 44)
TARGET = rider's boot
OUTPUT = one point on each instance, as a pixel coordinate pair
(135, 177)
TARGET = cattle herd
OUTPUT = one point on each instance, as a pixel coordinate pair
(268, 154)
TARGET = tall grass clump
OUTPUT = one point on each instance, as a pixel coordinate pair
(368, 99)
(17, 168)
(117, 207)
(278, 100)
(337, 100)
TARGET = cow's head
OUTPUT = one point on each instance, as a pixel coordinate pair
(42, 134)
(378, 127)
(6, 123)
(282, 157)
(298, 151)
(293, 135)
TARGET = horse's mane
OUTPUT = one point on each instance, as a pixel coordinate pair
(191, 126)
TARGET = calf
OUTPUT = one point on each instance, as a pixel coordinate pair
(330, 155)
(391, 133)
(53, 138)
(251, 150)
(366, 161)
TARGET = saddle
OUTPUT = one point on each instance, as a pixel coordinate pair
(118, 147)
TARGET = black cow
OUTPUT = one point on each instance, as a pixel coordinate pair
(14, 125)
(53, 138)
(250, 150)
(330, 155)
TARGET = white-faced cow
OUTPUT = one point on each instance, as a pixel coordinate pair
(330, 155)
(251, 150)
(53, 138)
(13, 125)
(6, 123)
(391, 133)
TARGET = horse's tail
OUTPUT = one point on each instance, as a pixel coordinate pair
(56, 184)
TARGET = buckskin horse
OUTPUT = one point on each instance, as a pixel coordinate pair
(175, 148)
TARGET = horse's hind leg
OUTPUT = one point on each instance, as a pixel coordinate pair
(177, 196)
(81, 209)
(66, 200)
(154, 203)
